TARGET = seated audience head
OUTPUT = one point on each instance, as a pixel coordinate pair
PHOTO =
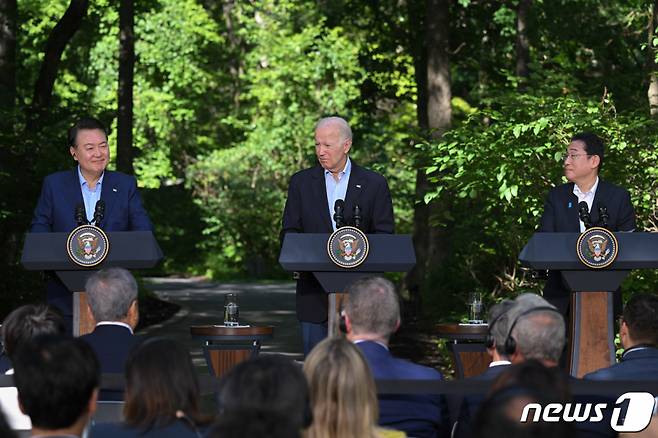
(264, 396)
(112, 295)
(536, 331)
(372, 311)
(28, 322)
(639, 323)
(57, 380)
(343, 395)
(161, 386)
(498, 329)
(528, 382)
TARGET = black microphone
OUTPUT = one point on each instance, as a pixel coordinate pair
(357, 216)
(583, 214)
(603, 215)
(99, 212)
(339, 206)
(80, 215)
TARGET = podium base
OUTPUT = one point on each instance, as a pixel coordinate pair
(83, 322)
(592, 332)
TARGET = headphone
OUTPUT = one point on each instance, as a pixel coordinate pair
(510, 342)
(489, 341)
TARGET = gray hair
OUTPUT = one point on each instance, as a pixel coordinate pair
(111, 292)
(373, 306)
(539, 334)
(499, 323)
(340, 123)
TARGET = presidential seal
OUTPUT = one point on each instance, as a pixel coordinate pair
(597, 248)
(348, 247)
(87, 245)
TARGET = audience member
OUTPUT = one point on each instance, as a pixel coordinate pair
(343, 395)
(536, 331)
(372, 315)
(162, 394)
(528, 382)
(495, 343)
(112, 297)
(264, 396)
(19, 327)
(57, 379)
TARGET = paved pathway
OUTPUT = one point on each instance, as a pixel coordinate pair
(202, 303)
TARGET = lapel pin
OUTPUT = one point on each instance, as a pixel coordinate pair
(569, 204)
(114, 190)
(358, 186)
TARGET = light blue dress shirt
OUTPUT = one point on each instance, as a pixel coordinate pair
(337, 189)
(90, 197)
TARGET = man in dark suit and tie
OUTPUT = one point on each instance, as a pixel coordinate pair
(372, 315)
(112, 297)
(312, 194)
(582, 164)
(80, 189)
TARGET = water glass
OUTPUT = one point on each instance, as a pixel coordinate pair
(475, 308)
(231, 310)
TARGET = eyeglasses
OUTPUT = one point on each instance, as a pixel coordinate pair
(573, 156)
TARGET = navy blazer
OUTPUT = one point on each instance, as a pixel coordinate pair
(637, 363)
(61, 194)
(307, 211)
(561, 209)
(177, 429)
(419, 415)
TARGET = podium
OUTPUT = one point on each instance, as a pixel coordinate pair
(307, 252)
(591, 318)
(47, 252)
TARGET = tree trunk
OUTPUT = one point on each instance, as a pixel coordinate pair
(522, 41)
(8, 11)
(59, 38)
(434, 113)
(652, 52)
(125, 91)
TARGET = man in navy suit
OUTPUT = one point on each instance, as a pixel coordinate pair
(372, 315)
(312, 194)
(582, 164)
(639, 337)
(63, 192)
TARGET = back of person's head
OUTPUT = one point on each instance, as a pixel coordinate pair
(536, 329)
(343, 394)
(161, 385)
(111, 292)
(373, 307)
(528, 382)
(593, 145)
(56, 378)
(641, 317)
(499, 325)
(28, 322)
(263, 396)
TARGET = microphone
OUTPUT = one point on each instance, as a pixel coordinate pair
(339, 206)
(583, 214)
(603, 215)
(357, 216)
(80, 215)
(99, 212)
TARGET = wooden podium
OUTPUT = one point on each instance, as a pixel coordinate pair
(307, 252)
(47, 252)
(591, 318)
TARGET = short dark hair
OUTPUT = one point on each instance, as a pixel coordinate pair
(56, 377)
(269, 389)
(160, 382)
(84, 123)
(641, 317)
(593, 145)
(28, 322)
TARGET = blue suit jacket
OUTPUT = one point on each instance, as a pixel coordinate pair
(419, 415)
(111, 343)
(177, 429)
(306, 211)
(61, 193)
(636, 364)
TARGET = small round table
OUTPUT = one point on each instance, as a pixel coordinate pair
(469, 352)
(224, 347)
